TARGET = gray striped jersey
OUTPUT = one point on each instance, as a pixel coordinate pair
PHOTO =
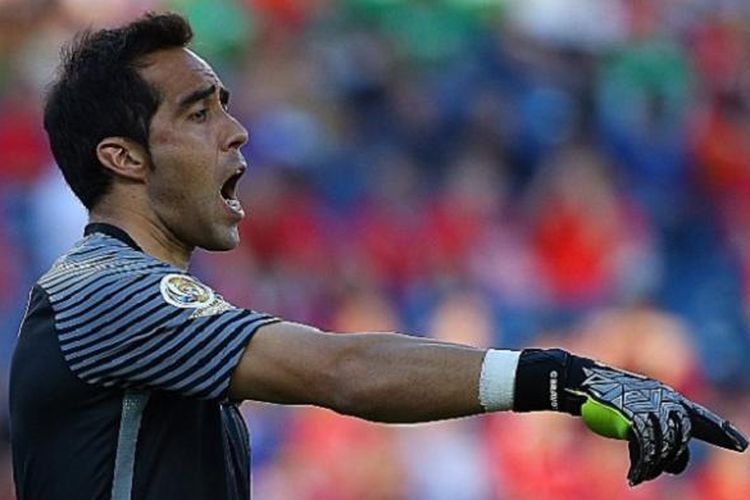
(126, 319)
(119, 378)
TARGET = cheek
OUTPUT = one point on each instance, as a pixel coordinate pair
(182, 167)
(179, 183)
(166, 182)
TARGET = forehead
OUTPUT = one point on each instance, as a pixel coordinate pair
(177, 72)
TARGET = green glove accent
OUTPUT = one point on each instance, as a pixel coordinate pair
(604, 420)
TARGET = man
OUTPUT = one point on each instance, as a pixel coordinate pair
(127, 371)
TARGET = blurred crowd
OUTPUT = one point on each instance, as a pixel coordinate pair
(495, 172)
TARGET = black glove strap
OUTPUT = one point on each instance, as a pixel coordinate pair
(542, 377)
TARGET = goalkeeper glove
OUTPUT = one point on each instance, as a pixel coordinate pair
(656, 420)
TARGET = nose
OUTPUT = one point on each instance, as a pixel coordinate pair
(237, 135)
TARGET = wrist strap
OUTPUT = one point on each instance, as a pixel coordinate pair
(543, 378)
(497, 380)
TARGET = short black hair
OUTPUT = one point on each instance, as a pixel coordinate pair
(99, 93)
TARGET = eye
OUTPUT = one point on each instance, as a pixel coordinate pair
(199, 116)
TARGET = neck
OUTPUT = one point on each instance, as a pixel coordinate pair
(148, 232)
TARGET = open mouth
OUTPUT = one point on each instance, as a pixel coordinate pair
(229, 191)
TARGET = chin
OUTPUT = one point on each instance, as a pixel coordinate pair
(229, 240)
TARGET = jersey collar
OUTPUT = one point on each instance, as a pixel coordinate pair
(113, 231)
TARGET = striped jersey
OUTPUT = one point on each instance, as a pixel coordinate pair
(119, 379)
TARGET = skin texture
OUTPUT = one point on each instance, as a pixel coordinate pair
(168, 198)
(382, 377)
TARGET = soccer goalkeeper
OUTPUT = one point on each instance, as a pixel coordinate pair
(128, 371)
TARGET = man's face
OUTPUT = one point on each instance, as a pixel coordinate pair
(195, 150)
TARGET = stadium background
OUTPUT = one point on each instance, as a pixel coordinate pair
(497, 172)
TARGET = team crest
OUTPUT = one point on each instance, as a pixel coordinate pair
(185, 292)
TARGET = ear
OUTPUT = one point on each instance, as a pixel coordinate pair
(123, 157)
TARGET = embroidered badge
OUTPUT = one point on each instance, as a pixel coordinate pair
(185, 292)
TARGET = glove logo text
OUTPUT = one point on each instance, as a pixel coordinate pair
(553, 389)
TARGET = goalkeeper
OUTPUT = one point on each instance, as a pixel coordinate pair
(128, 371)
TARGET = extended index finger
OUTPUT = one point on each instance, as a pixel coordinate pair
(711, 428)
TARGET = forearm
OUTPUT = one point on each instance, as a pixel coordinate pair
(377, 376)
(398, 378)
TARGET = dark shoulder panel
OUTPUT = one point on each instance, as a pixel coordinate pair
(56, 418)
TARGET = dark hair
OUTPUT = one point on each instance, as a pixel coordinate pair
(99, 93)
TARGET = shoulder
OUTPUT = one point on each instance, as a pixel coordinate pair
(98, 253)
(100, 259)
(102, 275)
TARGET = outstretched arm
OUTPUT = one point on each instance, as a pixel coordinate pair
(377, 376)
(397, 378)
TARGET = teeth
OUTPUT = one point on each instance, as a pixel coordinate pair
(234, 204)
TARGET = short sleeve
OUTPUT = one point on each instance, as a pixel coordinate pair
(152, 329)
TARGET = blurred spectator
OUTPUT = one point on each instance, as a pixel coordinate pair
(583, 230)
(23, 147)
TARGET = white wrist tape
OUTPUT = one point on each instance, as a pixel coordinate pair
(497, 380)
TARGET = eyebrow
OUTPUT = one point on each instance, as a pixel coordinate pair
(201, 94)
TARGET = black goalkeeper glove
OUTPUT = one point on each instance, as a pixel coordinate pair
(656, 420)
